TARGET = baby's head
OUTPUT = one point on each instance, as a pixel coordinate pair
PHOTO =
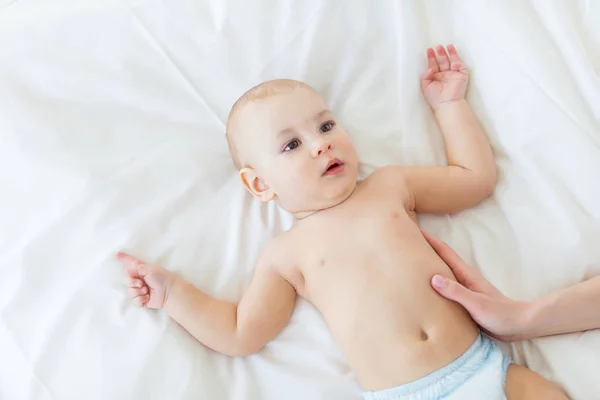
(289, 147)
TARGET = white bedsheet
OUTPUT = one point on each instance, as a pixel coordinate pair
(111, 135)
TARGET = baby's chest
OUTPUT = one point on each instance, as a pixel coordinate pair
(374, 237)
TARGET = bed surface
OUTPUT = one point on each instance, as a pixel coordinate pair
(112, 136)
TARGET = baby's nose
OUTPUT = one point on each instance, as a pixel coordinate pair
(322, 146)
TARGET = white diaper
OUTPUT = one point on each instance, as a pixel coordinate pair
(479, 373)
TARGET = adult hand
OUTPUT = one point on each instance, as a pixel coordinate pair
(497, 315)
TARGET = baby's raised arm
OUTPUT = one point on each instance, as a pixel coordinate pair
(232, 329)
(470, 175)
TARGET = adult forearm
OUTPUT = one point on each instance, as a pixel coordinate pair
(212, 322)
(466, 143)
(574, 309)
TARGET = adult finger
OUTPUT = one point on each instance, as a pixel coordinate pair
(454, 291)
(468, 276)
(463, 272)
(447, 254)
(432, 62)
(443, 60)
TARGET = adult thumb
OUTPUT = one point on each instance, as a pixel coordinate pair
(454, 291)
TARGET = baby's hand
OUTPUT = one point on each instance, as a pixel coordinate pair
(446, 79)
(149, 285)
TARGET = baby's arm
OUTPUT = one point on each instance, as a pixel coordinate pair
(470, 175)
(234, 330)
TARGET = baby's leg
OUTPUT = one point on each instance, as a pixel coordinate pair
(524, 384)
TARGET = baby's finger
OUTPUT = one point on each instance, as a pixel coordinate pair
(127, 259)
(454, 57)
(136, 292)
(432, 63)
(141, 301)
(133, 272)
(459, 66)
(443, 60)
(135, 283)
(428, 75)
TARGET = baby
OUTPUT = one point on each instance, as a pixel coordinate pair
(355, 250)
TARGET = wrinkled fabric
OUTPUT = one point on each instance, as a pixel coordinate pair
(112, 118)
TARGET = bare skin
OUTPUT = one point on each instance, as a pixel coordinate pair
(355, 250)
(376, 274)
(572, 309)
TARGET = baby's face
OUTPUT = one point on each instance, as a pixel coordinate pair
(299, 150)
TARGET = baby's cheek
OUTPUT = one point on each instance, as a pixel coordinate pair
(350, 151)
(301, 184)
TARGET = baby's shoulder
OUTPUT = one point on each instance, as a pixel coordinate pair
(390, 174)
(389, 180)
(281, 255)
(279, 250)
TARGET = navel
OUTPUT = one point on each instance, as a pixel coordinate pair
(424, 335)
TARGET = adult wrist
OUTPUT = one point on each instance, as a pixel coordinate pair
(527, 319)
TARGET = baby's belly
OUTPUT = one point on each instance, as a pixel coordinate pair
(390, 323)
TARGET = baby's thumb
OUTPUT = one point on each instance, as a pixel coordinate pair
(454, 291)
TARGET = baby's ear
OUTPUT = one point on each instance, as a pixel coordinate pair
(256, 185)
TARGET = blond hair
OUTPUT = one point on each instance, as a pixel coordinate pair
(258, 92)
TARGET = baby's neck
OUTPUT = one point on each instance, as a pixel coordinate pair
(300, 215)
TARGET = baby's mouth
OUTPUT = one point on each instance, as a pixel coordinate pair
(334, 167)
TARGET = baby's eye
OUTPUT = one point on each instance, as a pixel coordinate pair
(327, 126)
(292, 145)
